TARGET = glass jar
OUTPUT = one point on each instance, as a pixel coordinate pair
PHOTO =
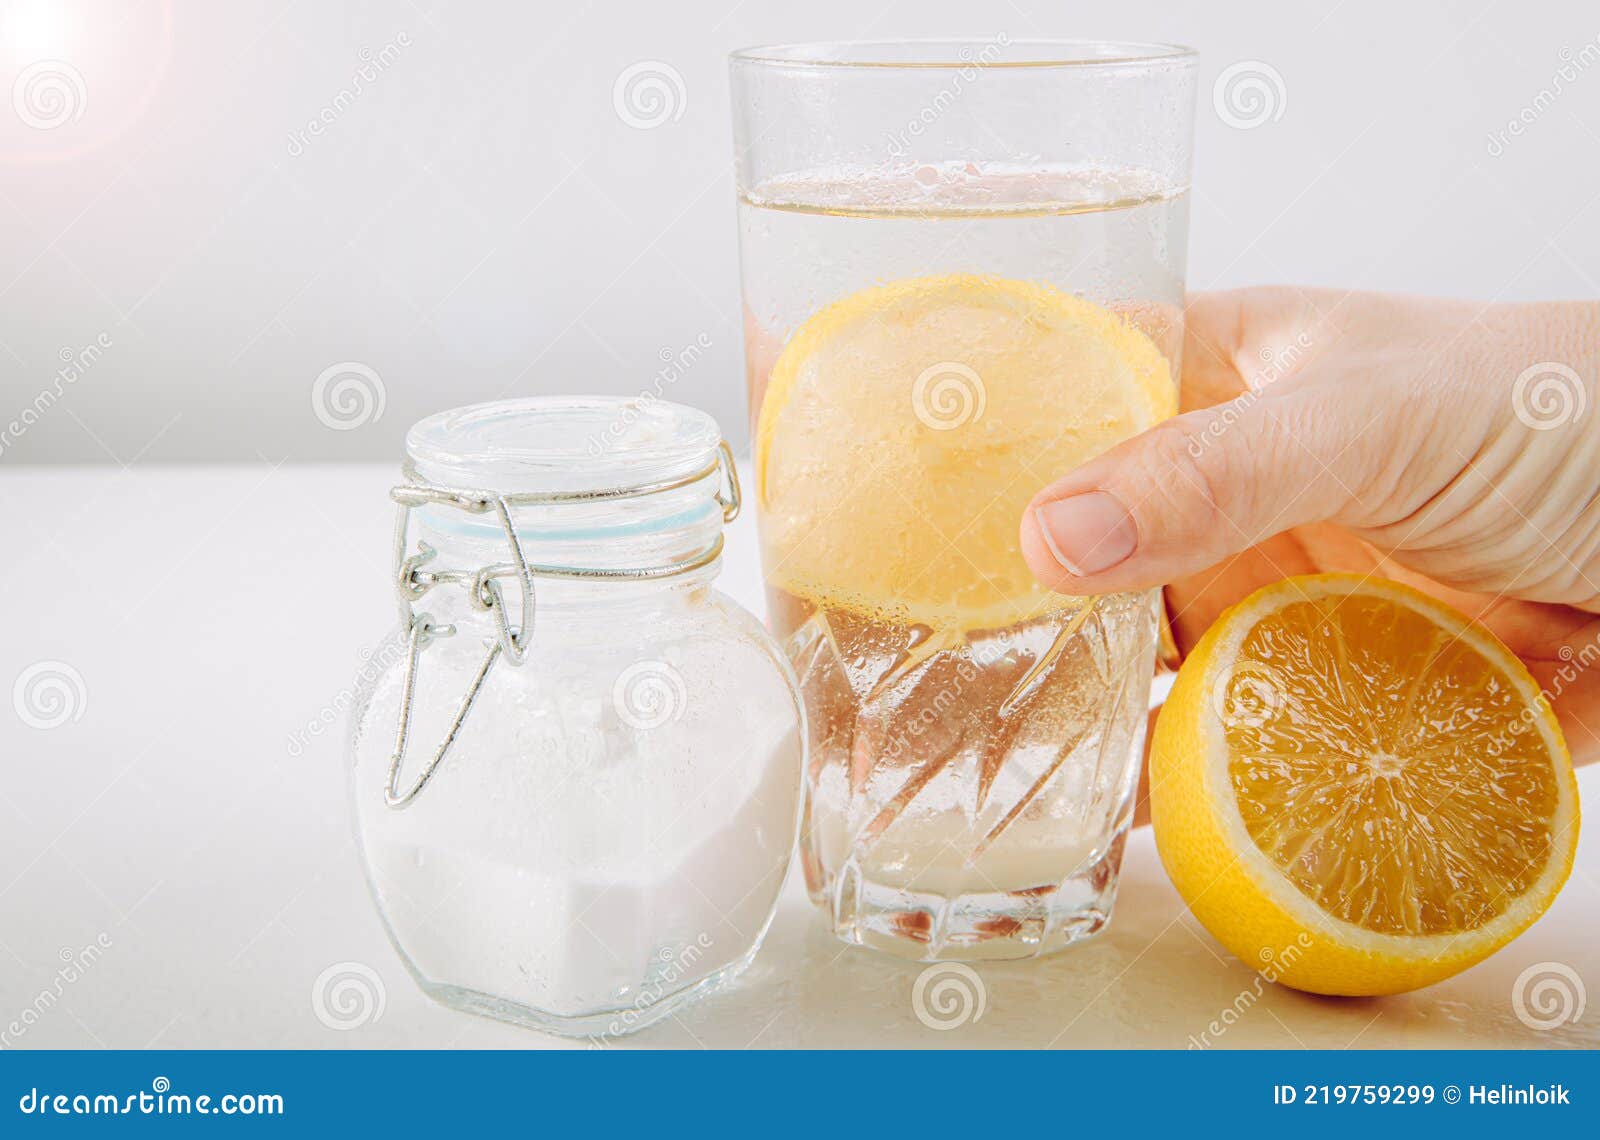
(576, 784)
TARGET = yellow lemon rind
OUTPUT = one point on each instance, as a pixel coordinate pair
(1242, 898)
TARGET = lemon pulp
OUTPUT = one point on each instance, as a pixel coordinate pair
(1348, 765)
(905, 427)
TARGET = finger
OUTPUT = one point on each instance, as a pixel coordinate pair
(1200, 488)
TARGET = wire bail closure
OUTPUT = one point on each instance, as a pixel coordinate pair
(414, 578)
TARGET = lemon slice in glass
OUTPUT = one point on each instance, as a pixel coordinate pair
(905, 428)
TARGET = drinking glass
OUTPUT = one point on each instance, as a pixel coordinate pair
(963, 273)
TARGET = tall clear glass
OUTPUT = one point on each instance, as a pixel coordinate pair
(963, 274)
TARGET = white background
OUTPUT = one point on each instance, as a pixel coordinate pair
(479, 221)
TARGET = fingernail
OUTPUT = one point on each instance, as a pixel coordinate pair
(1088, 534)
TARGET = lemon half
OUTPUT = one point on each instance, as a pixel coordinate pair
(1360, 788)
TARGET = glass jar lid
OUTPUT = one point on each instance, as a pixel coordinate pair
(562, 443)
(592, 481)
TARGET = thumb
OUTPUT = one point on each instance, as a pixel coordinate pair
(1198, 488)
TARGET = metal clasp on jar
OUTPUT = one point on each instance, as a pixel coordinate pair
(414, 578)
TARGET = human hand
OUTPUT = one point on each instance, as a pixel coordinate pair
(1447, 444)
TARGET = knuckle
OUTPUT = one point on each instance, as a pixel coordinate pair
(1185, 469)
(1531, 566)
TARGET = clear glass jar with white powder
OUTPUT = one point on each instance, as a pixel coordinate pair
(577, 786)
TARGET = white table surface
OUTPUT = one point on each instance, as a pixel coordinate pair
(214, 612)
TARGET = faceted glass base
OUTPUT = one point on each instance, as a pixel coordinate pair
(978, 925)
